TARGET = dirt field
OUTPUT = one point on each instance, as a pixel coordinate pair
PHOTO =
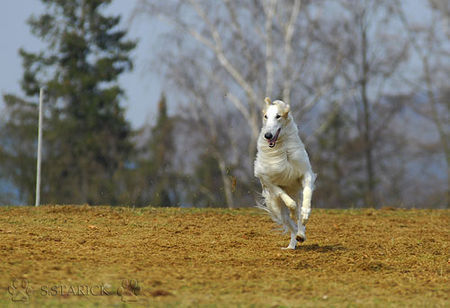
(81, 255)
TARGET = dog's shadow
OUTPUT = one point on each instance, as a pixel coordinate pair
(319, 248)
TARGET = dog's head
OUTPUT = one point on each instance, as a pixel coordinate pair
(275, 117)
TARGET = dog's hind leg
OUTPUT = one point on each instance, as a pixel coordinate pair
(287, 221)
(292, 243)
(273, 207)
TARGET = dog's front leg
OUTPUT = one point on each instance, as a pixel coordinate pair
(308, 187)
(290, 203)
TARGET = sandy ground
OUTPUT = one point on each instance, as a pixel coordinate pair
(84, 256)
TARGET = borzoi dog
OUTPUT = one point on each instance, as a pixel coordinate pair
(282, 165)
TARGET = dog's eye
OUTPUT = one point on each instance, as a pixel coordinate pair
(265, 116)
(278, 116)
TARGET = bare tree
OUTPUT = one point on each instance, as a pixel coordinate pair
(244, 51)
(373, 56)
(340, 64)
(430, 44)
(258, 48)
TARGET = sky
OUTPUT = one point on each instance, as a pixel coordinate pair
(142, 86)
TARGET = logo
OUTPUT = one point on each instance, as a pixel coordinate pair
(19, 290)
(129, 290)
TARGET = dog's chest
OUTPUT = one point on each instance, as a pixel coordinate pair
(280, 167)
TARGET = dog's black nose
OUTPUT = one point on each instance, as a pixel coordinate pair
(268, 136)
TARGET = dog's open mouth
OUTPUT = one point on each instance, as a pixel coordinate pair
(274, 139)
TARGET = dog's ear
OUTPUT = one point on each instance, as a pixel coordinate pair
(286, 110)
(268, 101)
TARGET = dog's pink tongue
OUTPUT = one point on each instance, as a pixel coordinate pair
(274, 139)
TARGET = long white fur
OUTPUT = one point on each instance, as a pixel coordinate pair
(283, 171)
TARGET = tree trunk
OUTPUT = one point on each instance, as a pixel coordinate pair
(443, 136)
(226, 182)
(368, 146)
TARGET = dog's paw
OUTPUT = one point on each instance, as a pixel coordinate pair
(300, 238)
(289, 247)
(301, 234)
(291, 205)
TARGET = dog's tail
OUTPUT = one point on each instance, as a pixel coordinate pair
(274, 215)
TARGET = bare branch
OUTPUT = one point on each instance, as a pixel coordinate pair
(289, 33)
(238, 31)
(269, 10)
(218, 49)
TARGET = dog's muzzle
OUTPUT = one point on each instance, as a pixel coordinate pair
(272, 139)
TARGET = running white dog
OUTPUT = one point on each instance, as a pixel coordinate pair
(282, 165)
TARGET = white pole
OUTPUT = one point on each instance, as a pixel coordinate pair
(38, 172)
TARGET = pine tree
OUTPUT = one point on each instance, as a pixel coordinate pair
(208, 188)
(17, 152)
(86, 136)
(335, 158)
(161, 146)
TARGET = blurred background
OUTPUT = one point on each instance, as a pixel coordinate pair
(159, 102)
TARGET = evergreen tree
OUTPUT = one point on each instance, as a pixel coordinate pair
(86, 137)
(18, 133)
(208, 188)
(162, 149)
(335, 157)
(151, 178)
(158, 164)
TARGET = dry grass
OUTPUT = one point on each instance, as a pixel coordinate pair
(195, 257)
